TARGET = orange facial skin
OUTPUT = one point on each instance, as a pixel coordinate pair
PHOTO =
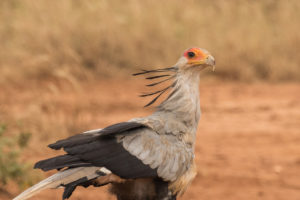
(195, 56)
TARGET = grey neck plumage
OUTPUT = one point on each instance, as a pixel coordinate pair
(179, 113)
(183, 105)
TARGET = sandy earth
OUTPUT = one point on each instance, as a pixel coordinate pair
(248, 142)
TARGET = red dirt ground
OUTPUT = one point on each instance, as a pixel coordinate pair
(248, 142)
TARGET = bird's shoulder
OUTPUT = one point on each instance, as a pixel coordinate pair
(163, 124)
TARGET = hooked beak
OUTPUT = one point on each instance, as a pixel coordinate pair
(210, 61)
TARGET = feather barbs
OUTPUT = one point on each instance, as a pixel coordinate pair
(156, 74)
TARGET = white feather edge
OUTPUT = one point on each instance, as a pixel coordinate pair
(92, 131)
(62, 177)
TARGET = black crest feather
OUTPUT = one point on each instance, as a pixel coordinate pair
(169, 72)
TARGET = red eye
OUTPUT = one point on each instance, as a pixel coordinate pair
(191, 54)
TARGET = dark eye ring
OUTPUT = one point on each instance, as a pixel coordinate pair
(191, 54)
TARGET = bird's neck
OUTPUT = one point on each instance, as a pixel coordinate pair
(184, 104)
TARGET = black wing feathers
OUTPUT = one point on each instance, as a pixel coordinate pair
(100, 150)
(73, 141)
(120, 128)
(60, 162)
(89, 137)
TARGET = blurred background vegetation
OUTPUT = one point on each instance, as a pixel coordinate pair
(74, 39)
(84, 42)
(11, 166)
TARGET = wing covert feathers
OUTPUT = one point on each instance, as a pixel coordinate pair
(165, 153)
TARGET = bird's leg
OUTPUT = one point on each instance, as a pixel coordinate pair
(162, 191)
(103, 180)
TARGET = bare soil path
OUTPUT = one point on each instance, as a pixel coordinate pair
(248, 142)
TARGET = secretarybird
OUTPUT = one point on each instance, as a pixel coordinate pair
(144, 158)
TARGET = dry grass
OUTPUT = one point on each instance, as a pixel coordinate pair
(251, 40)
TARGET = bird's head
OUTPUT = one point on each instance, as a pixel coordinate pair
(196, 58)
(192, 61)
